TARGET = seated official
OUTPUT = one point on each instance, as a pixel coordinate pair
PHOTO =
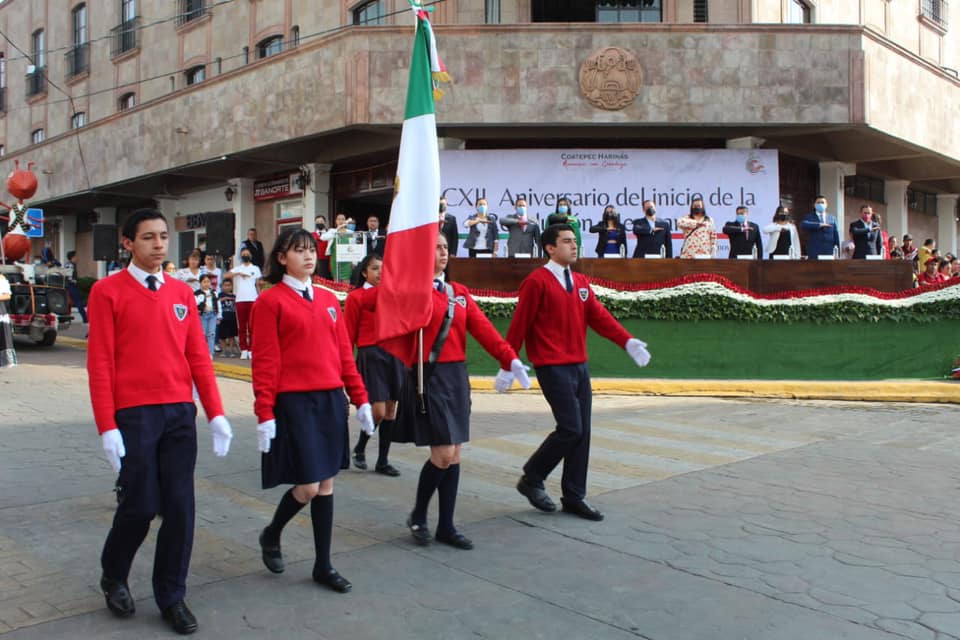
(653, 234)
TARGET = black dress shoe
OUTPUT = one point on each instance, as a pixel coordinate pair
(581, 508)
(117, 595)
(180, 618)
(419, 532)
(360, 460)
(387, 470)
(332, 579)
(537, 495)
(455, 539)
(272, 558)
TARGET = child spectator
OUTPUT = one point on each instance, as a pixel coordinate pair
(208, 309)
(227, 329)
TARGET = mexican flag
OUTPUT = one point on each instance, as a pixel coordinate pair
(404, 299)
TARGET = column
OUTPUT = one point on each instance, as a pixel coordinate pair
(316, 195)
(947, 223)
(66, 236)
(106, 215)
(831, 186)
(243, 207)
(895, 193)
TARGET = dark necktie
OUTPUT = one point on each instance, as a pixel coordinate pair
(152, 283)
(306, 295)
(438, 284)
(569, 281)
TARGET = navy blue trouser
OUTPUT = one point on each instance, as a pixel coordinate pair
(77, 298)
(567, 390)
(156, 478)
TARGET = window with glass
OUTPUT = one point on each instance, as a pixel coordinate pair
(922, 201)
(700, 12)
(374, 12)
(936, 11)
(39, 49)
(78, 120)
(195, 75)
(127, 101)
(294, 36)
(798, 12)
(191, 10)
(865, 187)
(3, 149)
(36, 136)
(630, 11)
(270, 47)
(128, 10)
(79, 25)
(491, 11)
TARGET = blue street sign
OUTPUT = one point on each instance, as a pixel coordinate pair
(36, 228)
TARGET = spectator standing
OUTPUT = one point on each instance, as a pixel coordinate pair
(342, 233)
(699, 232)
(885, 237)
(744, 235)
(653, 234)
(611, 234)
(210, 268)
(867, 238)
(563, 214)
(245, 277)
(375, 238)
(72, 288)
(208, 309)
(523, 233)
(782, 236)
(323, 265)
(482, 231)
(169, 268)
(191, 273)
(930, 274)
(909, 251)
(227, 329)
(8, 354)
(894, 252)
(821, 227)
(927, 251)
(254, 246)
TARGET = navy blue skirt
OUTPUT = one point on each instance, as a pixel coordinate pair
(447, 417)
(382, 373)
(312, 442)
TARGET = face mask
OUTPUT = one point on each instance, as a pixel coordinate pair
(245, 258)
(482, 208)
(351, 226)
(651, 211)
(696, 211)
(443, 208)
(741, 218)
(563, 208)
(521, 210)
(820, 207)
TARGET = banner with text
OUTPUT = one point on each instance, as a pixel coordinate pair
(624, 178)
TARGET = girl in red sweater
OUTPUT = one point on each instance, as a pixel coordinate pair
(382, 373)
(303, 360)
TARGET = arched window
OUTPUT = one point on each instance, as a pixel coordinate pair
(270, 47)
(373, 12)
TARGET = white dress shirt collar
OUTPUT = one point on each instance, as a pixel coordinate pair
(557, 270)
(297, 285)
(141, 276)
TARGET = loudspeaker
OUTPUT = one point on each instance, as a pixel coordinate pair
(104, 242)
(220, 231)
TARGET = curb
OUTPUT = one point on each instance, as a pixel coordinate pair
(927, 391)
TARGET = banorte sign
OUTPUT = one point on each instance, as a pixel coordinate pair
(276, 187)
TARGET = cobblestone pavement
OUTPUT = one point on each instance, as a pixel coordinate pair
(725, 519)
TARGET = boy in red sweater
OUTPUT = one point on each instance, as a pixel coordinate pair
(144, 410)
(554, 310)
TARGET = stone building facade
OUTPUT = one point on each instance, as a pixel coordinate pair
(197, 106)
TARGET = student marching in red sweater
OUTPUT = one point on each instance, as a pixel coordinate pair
(302, 362)
(382, 373)
(144, 410)
(446, 424)
(554, 310)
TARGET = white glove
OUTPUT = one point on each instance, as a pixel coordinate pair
(519, 371)
(266, 431)
(638, 351)
(222, 435)
(113, 447)
(365, 416)
(503, 381)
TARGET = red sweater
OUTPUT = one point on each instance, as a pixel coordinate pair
(146, 347)
(467, 317)
(300, 346)
(358, 312)
(553, 323)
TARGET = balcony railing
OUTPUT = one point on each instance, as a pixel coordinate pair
(191, 10)
(936, 11)
(78, 60)
(37, 82)
(125, 37)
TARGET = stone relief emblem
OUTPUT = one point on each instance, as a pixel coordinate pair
(610, 78)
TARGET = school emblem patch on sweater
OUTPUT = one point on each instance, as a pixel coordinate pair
(333, 313)
(584, 294)
(462, 301)
(180, 310)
